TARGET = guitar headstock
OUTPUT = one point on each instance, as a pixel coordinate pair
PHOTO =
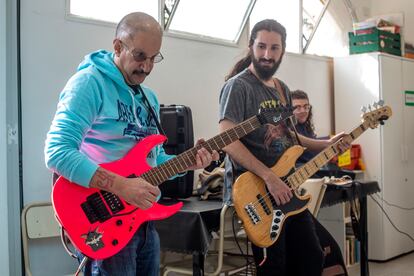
(376, 114)
(274, 115)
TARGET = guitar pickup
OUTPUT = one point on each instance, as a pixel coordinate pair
(264, 204)
(252, 213)
(95, 209)
(113, 201)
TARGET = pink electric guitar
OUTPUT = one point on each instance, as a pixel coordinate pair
(99, 224)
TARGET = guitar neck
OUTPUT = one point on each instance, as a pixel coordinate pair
(182, 162)
(306, 171)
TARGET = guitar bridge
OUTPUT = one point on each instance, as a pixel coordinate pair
(95, 208)
(252, 213)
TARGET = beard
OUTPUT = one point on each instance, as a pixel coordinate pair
(264, 72)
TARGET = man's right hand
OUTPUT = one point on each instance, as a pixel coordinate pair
(278, 189)
(135, 191)
(138, 192)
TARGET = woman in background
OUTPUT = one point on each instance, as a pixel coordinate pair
(304, 126)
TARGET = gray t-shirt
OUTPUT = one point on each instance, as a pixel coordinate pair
(241, 98)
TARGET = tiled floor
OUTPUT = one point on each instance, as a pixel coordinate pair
(403, 266)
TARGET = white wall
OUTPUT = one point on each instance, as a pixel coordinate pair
(191, 74)
(397, 6)
(313, 75)
(368, 8)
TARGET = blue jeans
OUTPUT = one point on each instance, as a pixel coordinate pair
(141, 256)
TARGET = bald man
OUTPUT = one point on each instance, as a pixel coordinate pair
(103, 112)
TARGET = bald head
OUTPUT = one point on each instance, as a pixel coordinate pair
(137, 45)
(136, 22)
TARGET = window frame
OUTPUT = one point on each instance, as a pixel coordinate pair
(167, 32)
(204, 38)
(78, 18)
(245, 25)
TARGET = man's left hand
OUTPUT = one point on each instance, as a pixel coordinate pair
(204, 157)
(344, 141)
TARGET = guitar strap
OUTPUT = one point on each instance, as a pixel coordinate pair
(282, 97)
(280, 91)
(55, 177)
(154, 116)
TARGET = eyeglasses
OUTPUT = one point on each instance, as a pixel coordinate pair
(141, 56)
(305, 107)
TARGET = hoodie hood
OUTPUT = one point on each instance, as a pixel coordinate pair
(104, 62)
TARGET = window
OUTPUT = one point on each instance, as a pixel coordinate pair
(111, 10)
(330, 38)
(311, 10)
(214, 18)
(224, 20)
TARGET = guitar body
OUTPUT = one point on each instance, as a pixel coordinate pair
(100, 224)
(263, 220)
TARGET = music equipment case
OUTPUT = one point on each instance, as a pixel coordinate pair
(177, 123)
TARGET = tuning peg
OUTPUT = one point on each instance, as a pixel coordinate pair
(381, 102)
(363, 109)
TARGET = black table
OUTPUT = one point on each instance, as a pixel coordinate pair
(189, 231)
(335, 194)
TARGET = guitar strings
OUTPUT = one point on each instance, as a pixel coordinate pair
(269, 196)
(331, 147)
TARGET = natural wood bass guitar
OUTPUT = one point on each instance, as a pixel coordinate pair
(263, 220)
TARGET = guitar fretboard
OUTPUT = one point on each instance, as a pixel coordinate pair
(180, 163)
(303, 173)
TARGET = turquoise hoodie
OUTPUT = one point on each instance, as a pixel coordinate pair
(94, 122)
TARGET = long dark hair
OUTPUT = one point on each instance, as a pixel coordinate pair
(308, 124)
(269, 25)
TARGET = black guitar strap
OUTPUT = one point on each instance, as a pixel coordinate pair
(151, 110)
(284, 101)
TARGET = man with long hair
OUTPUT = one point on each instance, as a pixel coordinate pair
(250, 86)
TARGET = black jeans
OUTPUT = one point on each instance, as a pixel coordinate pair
(297, 251)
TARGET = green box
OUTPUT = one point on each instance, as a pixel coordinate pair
(375, 40)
